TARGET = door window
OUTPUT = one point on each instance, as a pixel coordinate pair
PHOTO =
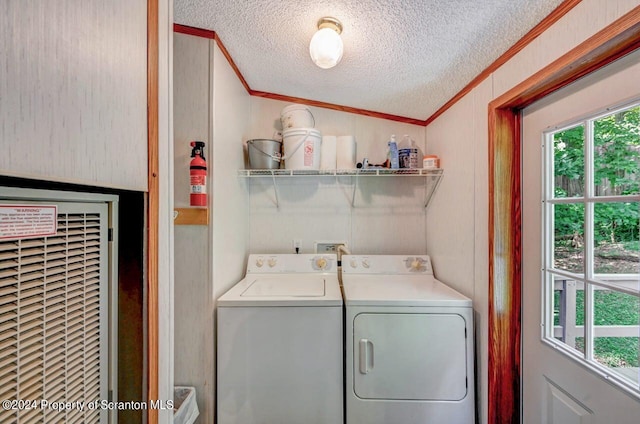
(591, 250)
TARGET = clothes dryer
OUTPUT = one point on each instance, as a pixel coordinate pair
(409, 344)
(280, 343)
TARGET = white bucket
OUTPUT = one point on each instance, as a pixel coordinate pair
(297, 116)
(302, 148)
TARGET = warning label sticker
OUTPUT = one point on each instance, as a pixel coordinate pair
(308, 153)
(27, 221)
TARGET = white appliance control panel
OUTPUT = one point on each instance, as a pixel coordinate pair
(291, 263)
(387, 264)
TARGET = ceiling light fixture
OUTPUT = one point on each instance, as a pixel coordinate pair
(326, 45)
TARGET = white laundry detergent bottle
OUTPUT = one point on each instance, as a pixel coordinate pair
(408, 153)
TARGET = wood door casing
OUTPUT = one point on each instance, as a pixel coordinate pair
(153, 205)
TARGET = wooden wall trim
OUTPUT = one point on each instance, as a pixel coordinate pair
(153, 206)
(505, 227)
(233, 65)
(341, 108)
(212, 35)
(197, 32)
(542, 26)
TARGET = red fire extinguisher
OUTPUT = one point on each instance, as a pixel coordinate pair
(198, 175)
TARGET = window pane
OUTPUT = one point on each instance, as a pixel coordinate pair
(568, 312)
(616, 331)
(616, 238)
(569, 237)
(607, 150)
(568, 162)
(617, 153)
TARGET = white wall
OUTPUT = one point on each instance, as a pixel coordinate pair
(388, 216)
(458, 220)
(211, 105)
(73, 84)
(193, 294)
(229, 208)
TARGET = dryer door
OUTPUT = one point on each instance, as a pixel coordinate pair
(410, 356)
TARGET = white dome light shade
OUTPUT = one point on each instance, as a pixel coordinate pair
(326, 47)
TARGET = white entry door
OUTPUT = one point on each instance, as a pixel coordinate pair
(580, 268)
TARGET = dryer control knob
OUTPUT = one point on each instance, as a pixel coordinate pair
(321, 263)
(259, 262)
(272, 262)
(366, 263)
(353, 263)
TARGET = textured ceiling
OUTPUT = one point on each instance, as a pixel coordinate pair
(401, 57)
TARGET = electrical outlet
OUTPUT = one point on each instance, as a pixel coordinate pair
(325, 248)
(328, 246)
(297, 244)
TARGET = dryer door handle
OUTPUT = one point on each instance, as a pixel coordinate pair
(366, 356)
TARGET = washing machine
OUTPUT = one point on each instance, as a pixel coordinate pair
(280, 343)
(409, 344)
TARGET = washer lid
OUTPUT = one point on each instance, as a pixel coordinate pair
(284, 290)
(272, 286)
(404, 290)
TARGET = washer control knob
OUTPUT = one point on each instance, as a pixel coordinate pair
(416, 264)
(272, 262)
(366, 263)
(321, 263)
(259, 262)
(353, 263)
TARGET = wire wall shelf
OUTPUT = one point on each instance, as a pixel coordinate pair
(374, 172)
(432, 177)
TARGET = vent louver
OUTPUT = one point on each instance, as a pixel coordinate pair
(51, 325)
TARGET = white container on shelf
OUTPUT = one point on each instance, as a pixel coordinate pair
(328, 152)
(302, 148)
(297, 116)
(430, 162)
(408, 153)
(346, 152)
